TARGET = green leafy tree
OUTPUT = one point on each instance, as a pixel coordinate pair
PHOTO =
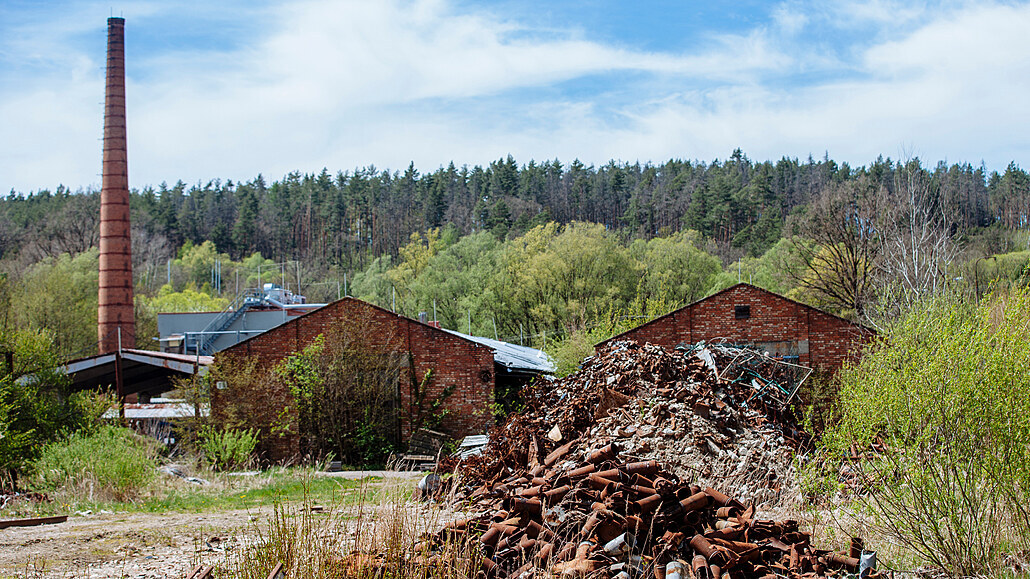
(197, 262)
(60, 295)
(840, 265)
(675, 268)
(770, 271)
(188, 300)
(413, 260)
(562, 277)
(259, 270)
(455, 281)
(372, 284)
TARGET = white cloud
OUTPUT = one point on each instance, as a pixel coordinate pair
(790, 18)
(351, 83)
(952, 89)
(330, 73)
(981, 41)
(888, 13)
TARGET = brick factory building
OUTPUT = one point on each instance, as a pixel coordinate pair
(477, 370)
(748, 315)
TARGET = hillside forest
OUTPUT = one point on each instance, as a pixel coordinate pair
(549, 254)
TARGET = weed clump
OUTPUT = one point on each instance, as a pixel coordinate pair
(228, 448)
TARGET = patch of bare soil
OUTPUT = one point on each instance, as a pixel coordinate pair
(136, 545)
(171, 544)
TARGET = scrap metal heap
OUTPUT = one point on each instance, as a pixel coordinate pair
(736, 433)
(607, 518)
(571, 488)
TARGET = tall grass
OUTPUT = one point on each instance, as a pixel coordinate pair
(374, 538)
(111, 463)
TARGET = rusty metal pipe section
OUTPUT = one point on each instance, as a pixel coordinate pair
(116, 324)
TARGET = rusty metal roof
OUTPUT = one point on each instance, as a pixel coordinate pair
(142, 370)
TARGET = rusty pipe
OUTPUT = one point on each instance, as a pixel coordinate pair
(556, 494)
(704, 547)
(696, 502)
(699, 565)
(645, 505)
(647, 467)
(558, 453)
(603, 454)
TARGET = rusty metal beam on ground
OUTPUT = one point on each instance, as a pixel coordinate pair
(277, 572)
(32, 522)
(201, 572)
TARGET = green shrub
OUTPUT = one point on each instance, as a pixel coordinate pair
(36, 405)
(569, 351)
(111, 463)
(942, 400)
(344, 389)
(229, 448)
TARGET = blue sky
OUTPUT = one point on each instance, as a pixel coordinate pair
(232, 89)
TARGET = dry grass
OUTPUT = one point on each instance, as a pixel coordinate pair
(833, 525)
(375, 537)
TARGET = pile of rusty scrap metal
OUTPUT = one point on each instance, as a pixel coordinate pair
(605, 517)
(735, 433)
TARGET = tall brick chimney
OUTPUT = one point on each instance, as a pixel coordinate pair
(116, 309)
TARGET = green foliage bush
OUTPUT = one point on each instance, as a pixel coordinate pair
(228, 448)
(111, 463)
(36, 407)
(569, 351)
(344, 391)
(944, 395)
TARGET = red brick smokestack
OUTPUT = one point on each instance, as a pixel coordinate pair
(116, 309)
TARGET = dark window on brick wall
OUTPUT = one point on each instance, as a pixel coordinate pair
(742, 312)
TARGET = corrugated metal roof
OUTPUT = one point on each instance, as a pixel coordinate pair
(474, 440)
(472, 446)
(513, 356)
(179, 362)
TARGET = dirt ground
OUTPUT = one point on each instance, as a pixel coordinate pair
(139, 545)
(124, 545)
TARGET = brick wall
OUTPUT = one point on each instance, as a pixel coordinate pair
(774, 322)
(454, 361)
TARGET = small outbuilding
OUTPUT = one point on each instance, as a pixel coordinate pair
(749, 315)
(469, 374)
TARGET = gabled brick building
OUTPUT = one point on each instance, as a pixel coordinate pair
(473, 367)
(747, 314)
